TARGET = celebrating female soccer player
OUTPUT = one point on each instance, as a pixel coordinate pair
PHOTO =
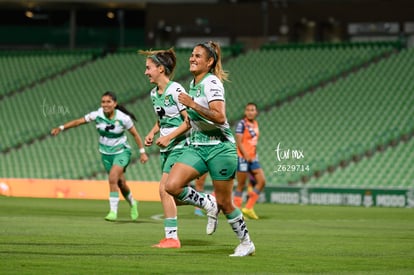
(112, 121)
(212, 146)
(172, 124)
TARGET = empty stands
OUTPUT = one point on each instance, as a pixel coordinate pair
(347, 110)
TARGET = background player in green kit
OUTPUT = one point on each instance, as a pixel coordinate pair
(172, 124)
(112, 121)
(212, 146)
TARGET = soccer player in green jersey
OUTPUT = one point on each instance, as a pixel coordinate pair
(112, 121)
(171, 124)
(212, 146)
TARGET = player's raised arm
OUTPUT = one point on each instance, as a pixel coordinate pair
(67, 125)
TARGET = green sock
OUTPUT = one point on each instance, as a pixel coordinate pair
(183, 194)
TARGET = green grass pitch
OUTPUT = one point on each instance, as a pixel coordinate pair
(61, 236)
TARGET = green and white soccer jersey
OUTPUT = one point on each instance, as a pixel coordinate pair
(204, 131)
(112, 138)
(168, 108)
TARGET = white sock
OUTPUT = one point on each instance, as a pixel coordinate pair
(113, 202)
(171, 228)
(239, 227)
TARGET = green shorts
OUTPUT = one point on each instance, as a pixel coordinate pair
(219, 160)
(121, 159)
(169, 158)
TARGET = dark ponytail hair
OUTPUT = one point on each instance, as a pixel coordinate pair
(166, 58)
(119, 107)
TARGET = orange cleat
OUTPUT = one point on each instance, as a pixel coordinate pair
(168, 243)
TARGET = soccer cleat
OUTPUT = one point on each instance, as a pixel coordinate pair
(134, 211)
(198, 212)
(111, 216)
(168, 243)
(212, 213)
(249, 213)
(244, 249)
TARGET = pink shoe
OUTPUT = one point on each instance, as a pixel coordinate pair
(168, 243)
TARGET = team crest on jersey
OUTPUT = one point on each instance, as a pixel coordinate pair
(167, 100)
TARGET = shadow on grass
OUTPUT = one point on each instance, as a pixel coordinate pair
(195, 242)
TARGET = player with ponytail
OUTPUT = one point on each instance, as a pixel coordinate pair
(112, 121)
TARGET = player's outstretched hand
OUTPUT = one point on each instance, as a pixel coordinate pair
(55, 131)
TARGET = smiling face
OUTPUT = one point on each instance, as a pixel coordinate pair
(199, 61)
(152, 71)
(108, 105)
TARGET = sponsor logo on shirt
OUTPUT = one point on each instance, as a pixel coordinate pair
(216, 92)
